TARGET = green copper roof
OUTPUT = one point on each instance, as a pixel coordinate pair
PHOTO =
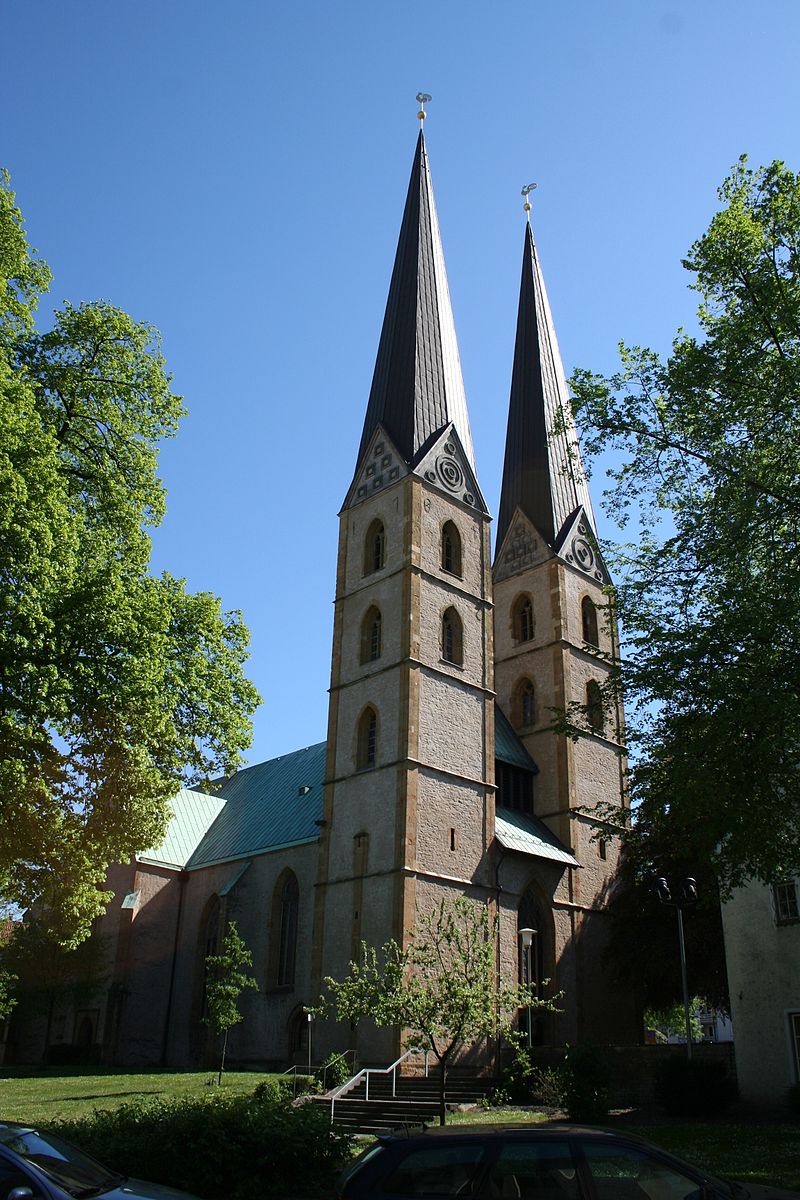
(266, 807)
(192, 815)
(528, 835)
(507, 746)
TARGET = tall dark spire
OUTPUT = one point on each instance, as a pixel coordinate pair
(417, 387)
(542, 472)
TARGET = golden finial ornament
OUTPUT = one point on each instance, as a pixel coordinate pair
(422, 100)
(526, 191)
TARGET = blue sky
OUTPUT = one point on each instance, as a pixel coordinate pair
(235, 173)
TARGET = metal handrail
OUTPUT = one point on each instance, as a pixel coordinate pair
(365, 1073)
(293, 1070)
(343, 1056)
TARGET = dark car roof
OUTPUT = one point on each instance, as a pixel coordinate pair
(528, 1129)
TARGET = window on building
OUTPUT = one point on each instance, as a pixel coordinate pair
(374, 548)
(371, 635)
(785, 902)
(522, 619)
(794, 1033)
(589, 621)
(594, 706)
(514, 787)
(209, 944)
(289, 893)
(524, 707)
(532, 963)
(451, 549)
(367, 748)
(452, 638)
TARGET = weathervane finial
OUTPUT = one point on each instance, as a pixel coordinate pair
(526, 191)
(422, 100)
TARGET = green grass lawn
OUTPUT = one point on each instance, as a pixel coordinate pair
(753, 1152)
(53, 1094)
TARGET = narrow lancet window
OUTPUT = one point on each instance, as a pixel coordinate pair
(452, 638)
(374, 548)
(451, 549)
(522, 619)
(594, 706)
(589, 621)
(525, 703)
(371, 634)
(367, 747)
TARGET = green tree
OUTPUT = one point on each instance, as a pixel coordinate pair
(116, 686)
(671, 1021)
(707, 470)
(442, 989)
(51, 976)
(225, 981)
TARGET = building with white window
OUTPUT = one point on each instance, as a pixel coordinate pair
(762, 947)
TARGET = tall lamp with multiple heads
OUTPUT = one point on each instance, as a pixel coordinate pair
(685, 898)
(526, 937)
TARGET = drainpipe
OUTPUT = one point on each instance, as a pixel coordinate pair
(182, 877)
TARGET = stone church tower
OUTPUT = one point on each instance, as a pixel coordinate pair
(555, 647)
(441, 775)
(409, 797)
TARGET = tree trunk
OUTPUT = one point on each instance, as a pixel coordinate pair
(222, 1059)
(443, 1089)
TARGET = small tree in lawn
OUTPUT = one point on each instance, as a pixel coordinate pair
(225, 982)
(442, 989)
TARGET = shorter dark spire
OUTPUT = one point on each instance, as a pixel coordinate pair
(542, 472)
(417, 387)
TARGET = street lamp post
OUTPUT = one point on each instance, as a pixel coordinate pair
(687, 896)
(526, 937)
(309, 1017)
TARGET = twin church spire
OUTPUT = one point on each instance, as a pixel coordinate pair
(417, 387)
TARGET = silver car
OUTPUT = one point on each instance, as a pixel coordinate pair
(36, 1165)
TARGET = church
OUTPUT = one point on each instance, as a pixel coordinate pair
(441, 774)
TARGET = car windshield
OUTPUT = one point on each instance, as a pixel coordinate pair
(69, 1167)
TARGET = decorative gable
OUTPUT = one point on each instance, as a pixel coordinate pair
(379, 467)
(577, 545)
(446, 466)
(523, 547)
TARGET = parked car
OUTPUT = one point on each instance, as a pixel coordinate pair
(532, 1162)
(36, 1165)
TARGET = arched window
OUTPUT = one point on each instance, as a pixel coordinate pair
(289, 901)
(367, 741)
(374, 548)
(452, 638)
(524, 707)
(589, 621)
(371, 635)
(451, 549)
(594, 706)
(522, 619)
(208, 943)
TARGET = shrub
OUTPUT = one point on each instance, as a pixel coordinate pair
(231, 1147)
(335, 1071)
(586, 1080)
(690, 1087)
(522, 1082)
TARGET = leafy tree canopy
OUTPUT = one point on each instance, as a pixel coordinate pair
(116, 687)
(707, 446)
(442, 988)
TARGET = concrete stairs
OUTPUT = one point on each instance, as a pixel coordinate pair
(416, 1100)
